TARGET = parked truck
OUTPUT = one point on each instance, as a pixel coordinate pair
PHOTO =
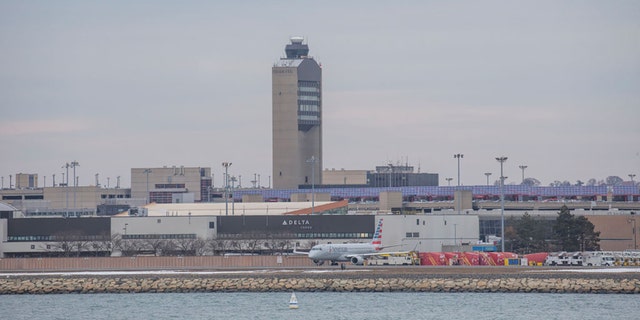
(598, 259)
(558, 259)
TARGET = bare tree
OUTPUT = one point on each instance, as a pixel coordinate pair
(252, 241)
(102, 246)
(278, 244)
(200, 247)
(218, 245)
(154, 245)
(168, 248)
(127, 247)
(237, 244)
(190, 247)
(70, 244)
(311, 243)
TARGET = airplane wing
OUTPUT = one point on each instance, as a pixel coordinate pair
(295, 251)
(391, 246)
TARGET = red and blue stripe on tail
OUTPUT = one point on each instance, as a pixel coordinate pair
(377, 237)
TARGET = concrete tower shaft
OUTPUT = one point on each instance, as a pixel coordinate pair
(297, 118)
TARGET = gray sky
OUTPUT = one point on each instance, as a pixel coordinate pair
(554, 85)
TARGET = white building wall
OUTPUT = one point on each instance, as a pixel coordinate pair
(426, 233)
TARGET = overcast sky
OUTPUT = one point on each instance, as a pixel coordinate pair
(115, 85)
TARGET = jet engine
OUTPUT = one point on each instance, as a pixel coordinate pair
(357, 260)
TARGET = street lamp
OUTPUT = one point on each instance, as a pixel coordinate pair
(66, 187)
(522, 167)
(502, 161)
(458, 156)
(73, 165)
(487, 174)
(226, 166)
(449, 181)
(632, 175)
(147, 197)
(313, 161)
(233, 200)
(635, 239)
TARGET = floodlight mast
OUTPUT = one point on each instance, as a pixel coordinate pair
(502, 160)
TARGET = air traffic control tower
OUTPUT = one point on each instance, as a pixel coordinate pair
(297, 118)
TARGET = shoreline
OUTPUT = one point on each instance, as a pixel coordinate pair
(354, 279)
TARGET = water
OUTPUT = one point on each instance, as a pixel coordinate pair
(321, 305)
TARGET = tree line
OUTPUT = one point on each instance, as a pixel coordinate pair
(75, 244)
(566, 233)
(609, 181)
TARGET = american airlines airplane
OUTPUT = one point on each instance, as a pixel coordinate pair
(354, 252)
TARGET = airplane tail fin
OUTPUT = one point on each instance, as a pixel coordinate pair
(377, 237)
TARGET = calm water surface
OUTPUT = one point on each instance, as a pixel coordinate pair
(321, 305)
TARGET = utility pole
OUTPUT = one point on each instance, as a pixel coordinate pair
(502, 160)
(487, 174)
(74, 164)
(66, 187)
(522, 167)
(226, 166)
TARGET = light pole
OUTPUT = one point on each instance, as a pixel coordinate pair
(449, 181)
(487, 174)
(147, 197)
(233, 200)
(635, 239)
(632, 175)
(313, 161)
(66, 187)
(458, 156)
(522, 167)
(502, 160)
(226, 166)
(73, 165)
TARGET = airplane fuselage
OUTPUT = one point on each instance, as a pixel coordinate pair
(340, 252)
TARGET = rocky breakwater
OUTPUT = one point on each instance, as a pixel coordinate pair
(33, 284)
